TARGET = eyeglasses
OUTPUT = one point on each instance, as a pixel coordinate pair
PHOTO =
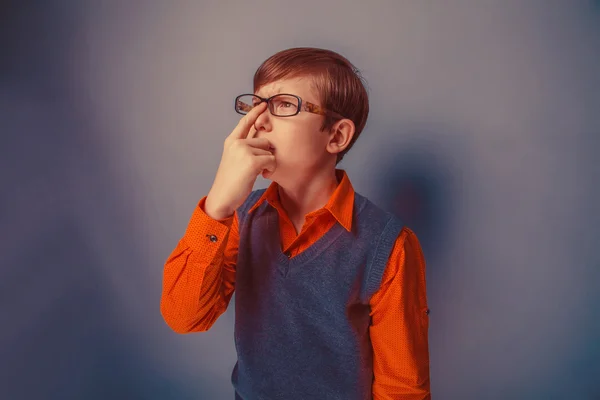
(280, 105)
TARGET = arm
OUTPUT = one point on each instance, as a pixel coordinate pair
(400, 323)
(199, 275)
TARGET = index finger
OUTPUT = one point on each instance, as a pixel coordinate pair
(246, 122)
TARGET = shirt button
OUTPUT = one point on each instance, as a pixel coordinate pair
(288, 254)
(427, 311)
(212, 238)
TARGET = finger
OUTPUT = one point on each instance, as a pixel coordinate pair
(260, 152)
(261, 143)
(252, 132)
(243, 126)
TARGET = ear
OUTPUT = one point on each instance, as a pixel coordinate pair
(340, 136)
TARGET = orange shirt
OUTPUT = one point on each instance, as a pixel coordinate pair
(199, 280)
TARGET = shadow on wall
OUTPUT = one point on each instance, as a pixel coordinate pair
(418, 180)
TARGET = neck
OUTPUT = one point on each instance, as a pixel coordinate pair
(307, 193)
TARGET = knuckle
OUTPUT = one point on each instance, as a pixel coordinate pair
(235, 145)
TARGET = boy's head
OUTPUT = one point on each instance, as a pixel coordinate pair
(318, 136)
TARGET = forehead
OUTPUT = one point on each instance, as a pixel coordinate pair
(302, 86)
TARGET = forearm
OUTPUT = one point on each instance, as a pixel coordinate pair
(199, 276)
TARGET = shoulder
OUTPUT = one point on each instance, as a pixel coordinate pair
(407, 237)
(406, 254)
(367, 212)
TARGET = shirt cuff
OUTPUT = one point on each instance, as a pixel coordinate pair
(204, 233)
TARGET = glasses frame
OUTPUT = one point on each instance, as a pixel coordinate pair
(302, 106)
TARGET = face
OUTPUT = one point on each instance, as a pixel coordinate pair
(300, 146)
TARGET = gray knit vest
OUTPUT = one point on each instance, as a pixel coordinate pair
(302, 323)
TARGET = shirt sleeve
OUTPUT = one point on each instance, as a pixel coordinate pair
(400, 323)
(199, 275)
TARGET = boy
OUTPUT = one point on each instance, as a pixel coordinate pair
(330, 289)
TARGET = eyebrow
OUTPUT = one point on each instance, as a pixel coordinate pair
(278, 90)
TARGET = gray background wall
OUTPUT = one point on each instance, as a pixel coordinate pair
(483, 136)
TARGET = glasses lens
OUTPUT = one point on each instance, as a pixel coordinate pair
(246, 103)
(284, 105)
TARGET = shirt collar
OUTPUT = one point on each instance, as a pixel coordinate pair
(340, 204)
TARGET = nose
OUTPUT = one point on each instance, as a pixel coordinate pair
(263, 121)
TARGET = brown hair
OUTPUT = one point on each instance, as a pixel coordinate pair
(338, 83)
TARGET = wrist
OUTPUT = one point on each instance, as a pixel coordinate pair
(215, 211)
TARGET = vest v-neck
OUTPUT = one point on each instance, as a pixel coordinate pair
(307, 254)
(279, 303)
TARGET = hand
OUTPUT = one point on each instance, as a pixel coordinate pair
(244, 158)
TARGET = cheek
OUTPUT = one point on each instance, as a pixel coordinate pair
(298, 143)
(299, 149)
